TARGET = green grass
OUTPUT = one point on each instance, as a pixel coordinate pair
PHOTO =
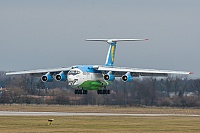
(111, 124)
(99, 124)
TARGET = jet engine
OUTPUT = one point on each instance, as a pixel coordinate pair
(109, 76)
(47, 77)
(61, 76)
(127, 77)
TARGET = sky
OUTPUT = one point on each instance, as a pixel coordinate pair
(36, 34)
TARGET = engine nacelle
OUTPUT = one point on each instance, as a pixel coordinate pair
(127, 77)
(47, 77)
(61, 76)
(109, 77)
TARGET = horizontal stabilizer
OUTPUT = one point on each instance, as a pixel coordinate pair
(115, 40)
(111, 52)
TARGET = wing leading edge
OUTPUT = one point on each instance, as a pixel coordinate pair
(116, 70)
(139, 72)
(41, 71)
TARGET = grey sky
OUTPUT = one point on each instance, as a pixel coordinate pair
(51, 33)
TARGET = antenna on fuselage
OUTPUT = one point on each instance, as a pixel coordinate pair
(111, 52)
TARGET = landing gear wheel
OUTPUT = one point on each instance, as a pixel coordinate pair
(104, 91)
(99, 92)
(108, 91)
(85, 92)
(78, 91)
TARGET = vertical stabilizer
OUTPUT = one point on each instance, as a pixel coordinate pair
(111, 54)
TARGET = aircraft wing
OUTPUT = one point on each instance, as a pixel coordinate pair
(137, 71)
(41, 71)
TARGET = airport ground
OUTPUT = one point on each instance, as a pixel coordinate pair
(151, 124)
(98, 109)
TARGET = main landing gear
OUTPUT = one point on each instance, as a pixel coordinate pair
(104, 91)
(80, 91)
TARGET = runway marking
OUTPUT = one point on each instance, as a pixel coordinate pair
(14, 113)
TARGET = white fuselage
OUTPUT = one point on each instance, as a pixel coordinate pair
(77, 77)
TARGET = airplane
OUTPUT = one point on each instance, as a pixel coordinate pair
(96, 77)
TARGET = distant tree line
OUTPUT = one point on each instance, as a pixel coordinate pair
(173, 91)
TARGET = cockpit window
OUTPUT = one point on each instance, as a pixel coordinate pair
(73, 72)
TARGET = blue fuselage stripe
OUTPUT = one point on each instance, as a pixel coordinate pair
(88, 69)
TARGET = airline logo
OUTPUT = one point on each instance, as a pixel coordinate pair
(113, 53)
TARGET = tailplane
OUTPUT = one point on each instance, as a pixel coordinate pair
(112, 48)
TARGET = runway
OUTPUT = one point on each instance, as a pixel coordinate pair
(14, 113)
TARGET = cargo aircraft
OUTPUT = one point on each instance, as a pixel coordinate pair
(96, 77)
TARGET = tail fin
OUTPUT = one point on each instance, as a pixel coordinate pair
(111, 52)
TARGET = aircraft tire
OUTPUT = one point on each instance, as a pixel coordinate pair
(99, 92)
(77, 91)
(85, 92)
(80, 91)
(103, 91)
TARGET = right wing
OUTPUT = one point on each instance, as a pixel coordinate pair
(118, 71)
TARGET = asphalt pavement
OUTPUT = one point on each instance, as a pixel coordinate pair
(15, 113)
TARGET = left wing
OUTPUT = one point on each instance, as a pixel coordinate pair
(137, 71)
(41, 71)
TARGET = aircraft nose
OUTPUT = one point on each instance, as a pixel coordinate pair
(70, 78)
(72, 81)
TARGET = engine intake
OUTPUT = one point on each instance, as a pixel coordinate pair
(47, 77)
(109, 77)
(127, 77)
(61, 76)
